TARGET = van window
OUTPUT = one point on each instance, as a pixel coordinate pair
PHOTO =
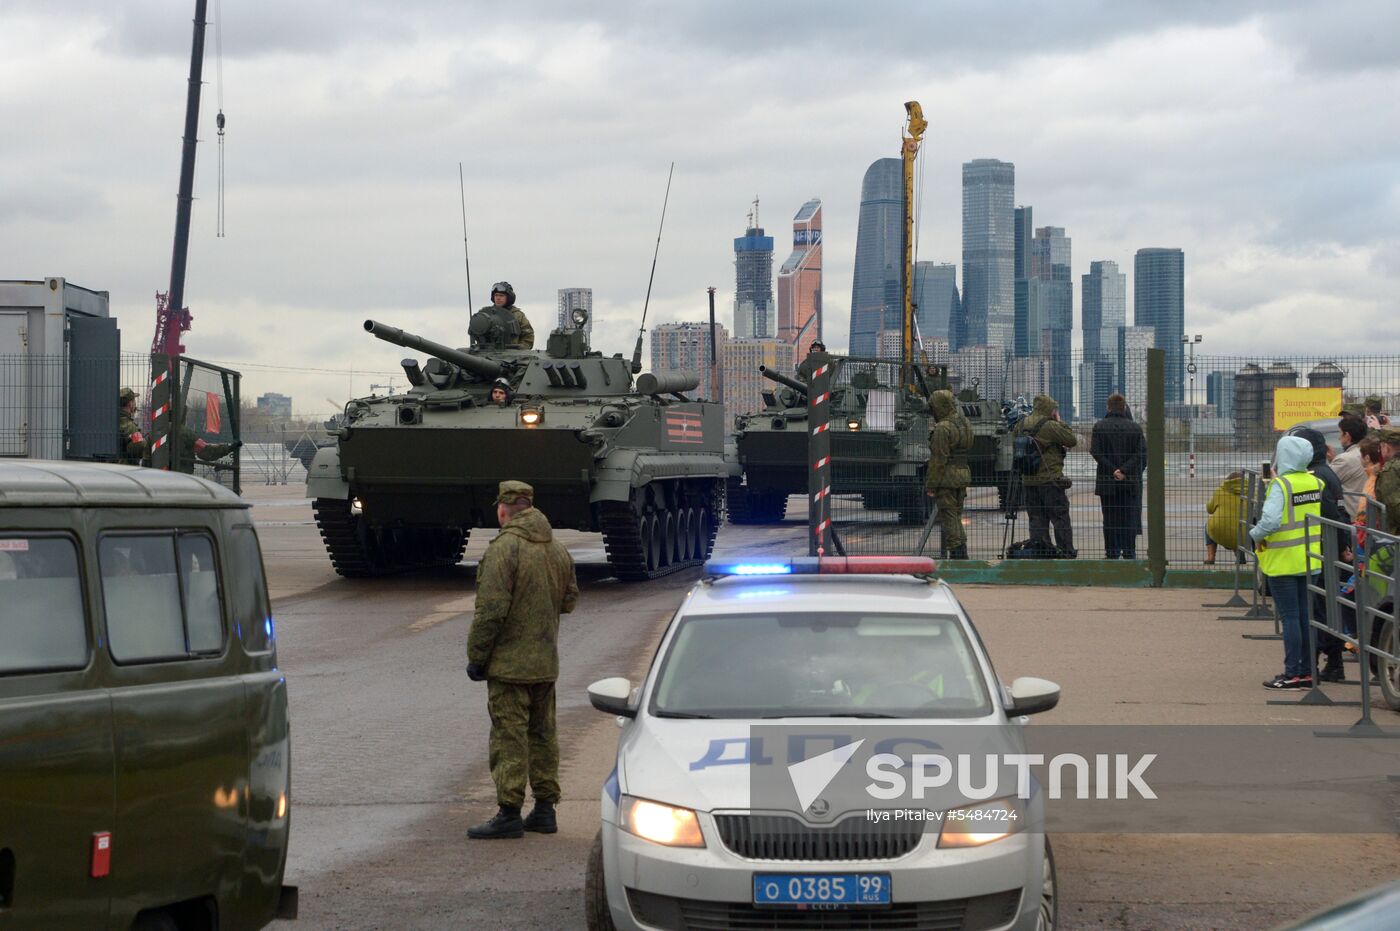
(42, 625)
(250, 604)
(161, 593)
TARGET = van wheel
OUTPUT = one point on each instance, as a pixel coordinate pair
(154, 921)
(1048, 916)
(595, 890)
(1388, 673)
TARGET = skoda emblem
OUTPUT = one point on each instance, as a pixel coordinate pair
(820, 808)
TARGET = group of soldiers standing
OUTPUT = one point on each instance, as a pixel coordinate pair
(135, 447)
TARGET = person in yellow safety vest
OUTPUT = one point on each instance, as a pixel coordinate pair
(1288, 555)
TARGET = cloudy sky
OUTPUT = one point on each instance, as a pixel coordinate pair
(1263, 139)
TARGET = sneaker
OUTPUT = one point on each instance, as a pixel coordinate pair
(541, 819)
(1289, 683)
(506, 824)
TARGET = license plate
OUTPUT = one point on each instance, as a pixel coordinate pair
(821, 889)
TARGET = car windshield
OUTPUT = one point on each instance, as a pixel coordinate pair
(817, 665)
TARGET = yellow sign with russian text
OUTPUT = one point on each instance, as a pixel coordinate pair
(1294, 404)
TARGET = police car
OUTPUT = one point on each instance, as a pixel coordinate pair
(769, 683)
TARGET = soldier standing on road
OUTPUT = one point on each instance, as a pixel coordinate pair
(1046, 501)
(948, 471)
(525, 581)
(503, 296)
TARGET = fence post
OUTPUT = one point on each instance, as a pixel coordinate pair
(1156, 466)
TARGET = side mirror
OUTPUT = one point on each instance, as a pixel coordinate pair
(1032, 696)
(611, 696)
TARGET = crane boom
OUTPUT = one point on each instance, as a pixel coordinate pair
(909, 150)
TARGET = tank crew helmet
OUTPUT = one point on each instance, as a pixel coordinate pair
(501, 383)
(817, 346)
(127, 396)
(503, 287)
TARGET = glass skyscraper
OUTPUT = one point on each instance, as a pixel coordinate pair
(800, 281)
(989, 254)
(753, 282)
(1051, 300)
(875, 287)
(1159, 301)
(1105, 310)
(936, 301)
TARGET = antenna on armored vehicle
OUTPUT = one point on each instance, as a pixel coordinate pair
(637, 352)
(466, 253)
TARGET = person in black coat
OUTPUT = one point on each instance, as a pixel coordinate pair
(1119, 449)
(1333, 508)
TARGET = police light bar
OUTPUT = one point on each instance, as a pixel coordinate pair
(826, 565)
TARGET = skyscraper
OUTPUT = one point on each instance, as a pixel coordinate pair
(685, 347)
(989, 254)
(743, 384)
(1105, 310)
(1050, 269)
(936, 303)
(753, 281)
(1159, 301)
(800, 281)
(570, 298)
(879, 255)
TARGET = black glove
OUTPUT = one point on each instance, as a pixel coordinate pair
(476, 672)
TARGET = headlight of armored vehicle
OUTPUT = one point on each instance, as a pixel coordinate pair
(580, 316)
(532, 416)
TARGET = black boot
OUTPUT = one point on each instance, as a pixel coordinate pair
(1332, 671)
(541, 818)
(958, 552)
(507, 823)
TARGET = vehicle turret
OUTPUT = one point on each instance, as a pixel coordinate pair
(781, 379)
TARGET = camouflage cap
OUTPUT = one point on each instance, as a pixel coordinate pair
(127, 395)
(512, 492)
(1389, 435)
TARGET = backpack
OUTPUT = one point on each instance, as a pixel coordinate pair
(1026, 457)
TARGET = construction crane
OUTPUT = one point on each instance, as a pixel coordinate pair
(909, 151)
(172, 317)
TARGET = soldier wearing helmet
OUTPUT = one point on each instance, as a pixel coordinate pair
(503, 299)
(132, 444)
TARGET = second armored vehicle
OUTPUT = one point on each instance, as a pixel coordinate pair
(412, 474)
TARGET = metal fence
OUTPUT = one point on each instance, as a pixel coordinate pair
(1219, 419)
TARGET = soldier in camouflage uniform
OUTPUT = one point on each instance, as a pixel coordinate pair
(816, 358)
(503, 296)
(1388, 479)
(948, 471)
(525, 581)
(131, 442)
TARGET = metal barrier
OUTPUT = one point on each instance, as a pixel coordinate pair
(1372, 605)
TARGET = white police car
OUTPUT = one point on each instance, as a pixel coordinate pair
(721, 813)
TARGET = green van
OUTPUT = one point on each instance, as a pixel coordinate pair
(145, 766)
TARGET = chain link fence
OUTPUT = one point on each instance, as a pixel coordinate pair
(1223, 415)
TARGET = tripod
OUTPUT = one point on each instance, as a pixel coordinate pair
(1011, 509)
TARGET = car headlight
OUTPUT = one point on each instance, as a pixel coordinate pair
(976, 825)
(660, 824)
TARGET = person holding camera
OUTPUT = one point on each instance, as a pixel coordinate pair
(1047, 505)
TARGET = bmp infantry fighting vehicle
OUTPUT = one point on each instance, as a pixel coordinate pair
(879, 441)
(412, 474)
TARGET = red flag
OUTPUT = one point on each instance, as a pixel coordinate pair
(213, 418)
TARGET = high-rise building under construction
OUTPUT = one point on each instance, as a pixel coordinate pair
(753, 282)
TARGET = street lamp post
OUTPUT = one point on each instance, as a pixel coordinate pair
(1190, 343)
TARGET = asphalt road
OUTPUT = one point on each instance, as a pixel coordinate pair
(389, 742)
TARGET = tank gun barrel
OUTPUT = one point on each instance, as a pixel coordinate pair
(486, 368)
(781, 379)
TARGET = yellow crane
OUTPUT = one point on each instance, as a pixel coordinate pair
(912, 136)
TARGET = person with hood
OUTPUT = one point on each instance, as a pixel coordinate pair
(1117, 447)
(1224, 510)
(1286, 556)
(1047, 504)
(948, 471)
(503, 300)
(524, 582)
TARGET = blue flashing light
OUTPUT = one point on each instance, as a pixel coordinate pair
(748, 568)
(267, 627)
